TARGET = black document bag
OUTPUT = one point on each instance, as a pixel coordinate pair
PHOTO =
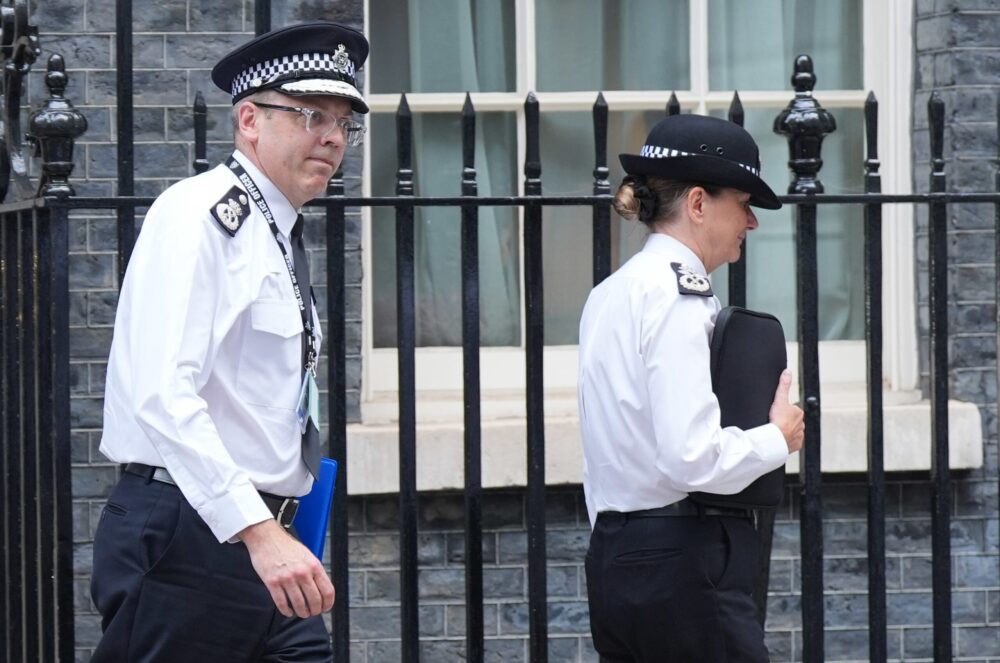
(748, 356)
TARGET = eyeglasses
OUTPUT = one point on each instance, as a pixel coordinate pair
(321, 124)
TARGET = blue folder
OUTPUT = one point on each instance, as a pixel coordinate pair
(314, 509)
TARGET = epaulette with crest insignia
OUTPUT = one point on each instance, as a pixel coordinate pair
(690, 282)
(232, 210)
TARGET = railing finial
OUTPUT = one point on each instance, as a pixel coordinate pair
(53, 130)
(805, 123)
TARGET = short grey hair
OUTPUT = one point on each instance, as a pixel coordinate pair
(262, 96)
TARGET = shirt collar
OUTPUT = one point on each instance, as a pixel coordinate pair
(282, 211)
(674, 249)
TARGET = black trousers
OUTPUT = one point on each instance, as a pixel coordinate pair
(674, 590)
(168, 591)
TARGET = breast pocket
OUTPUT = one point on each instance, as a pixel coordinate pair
(271, 357)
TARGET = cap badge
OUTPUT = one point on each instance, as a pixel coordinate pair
(690, 282)
(231, 210)
(341, 61)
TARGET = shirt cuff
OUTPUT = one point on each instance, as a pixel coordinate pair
(233, 512)
(770, 444)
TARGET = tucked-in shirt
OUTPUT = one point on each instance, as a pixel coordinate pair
(649, 421)
(206, 360)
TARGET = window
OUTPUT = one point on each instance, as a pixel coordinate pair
(636, 52)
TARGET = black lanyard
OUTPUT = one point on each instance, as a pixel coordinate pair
(309, 340)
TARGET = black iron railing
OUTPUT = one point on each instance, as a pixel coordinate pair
(37, 605)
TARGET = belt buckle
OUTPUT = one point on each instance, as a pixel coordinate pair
(286, 512)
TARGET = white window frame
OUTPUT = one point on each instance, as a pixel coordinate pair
(887, 67)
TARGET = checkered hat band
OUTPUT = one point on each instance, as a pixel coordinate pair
(271, 69)
(657, 152)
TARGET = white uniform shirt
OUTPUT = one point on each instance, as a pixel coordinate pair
(649, 420)
(206, 359)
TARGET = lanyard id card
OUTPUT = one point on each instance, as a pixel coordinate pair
(307, 409)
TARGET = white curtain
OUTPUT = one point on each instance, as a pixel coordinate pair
(452, 45)
(753, 46)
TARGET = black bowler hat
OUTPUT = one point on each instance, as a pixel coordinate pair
(703, 150)
(319, 57)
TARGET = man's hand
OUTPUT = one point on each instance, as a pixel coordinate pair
(787, 417)
(297, 580)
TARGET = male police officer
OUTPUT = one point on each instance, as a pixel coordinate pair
(212, 361)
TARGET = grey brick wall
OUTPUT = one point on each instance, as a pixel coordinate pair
(957, 48)
(956, 51)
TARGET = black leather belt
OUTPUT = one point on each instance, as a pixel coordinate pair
(685, 507)
(282, 508)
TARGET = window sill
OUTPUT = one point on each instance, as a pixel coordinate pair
(373, 447)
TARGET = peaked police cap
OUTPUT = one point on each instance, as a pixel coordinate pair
(318, 57)
(703, 150)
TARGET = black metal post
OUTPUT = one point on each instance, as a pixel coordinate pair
(877, 635)
(474, 642)
(126, 133)
(60, 417)
(406, 347)
(14, 306)
(6, 388)
(805, 123)
(673, 105)
(940, 472)
(29, 432)
(261, 16)
(48, 518)
(200, 111)
(738, 269)
(996, 265)
(534, 353)
(337, 407)
(602, 213)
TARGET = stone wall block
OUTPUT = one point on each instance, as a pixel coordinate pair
(96, 482)
(505, 582)
(150, 87)
(977, 571)
(568, 617)
(934, 32)
(80, 51)
(978, 641)
(200, 51)
(213, 16)
(170, 159)
(102, 235)
(972, 351)
(148, 52)
(101, 307)
(503, 510)
(90, 343)
(972, 139)
(375, 622)
(971, 216)
(54, 16)
(455, 620)
(845, 645)
(348, 12)
(456, 548)
(149, 125)
(78, 309)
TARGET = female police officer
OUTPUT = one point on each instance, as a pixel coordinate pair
(669, 580)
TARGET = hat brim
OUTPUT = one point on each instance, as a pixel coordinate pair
(703, 169)
(325, 86)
